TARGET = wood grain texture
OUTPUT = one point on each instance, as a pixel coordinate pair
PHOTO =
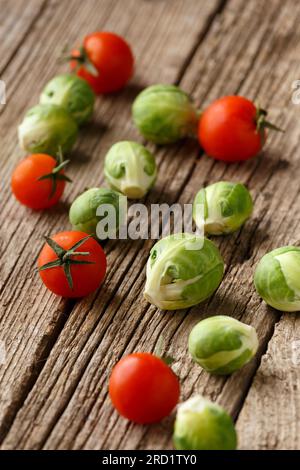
(17, 18)
(270, 417)
(54, 387)
(31, 318)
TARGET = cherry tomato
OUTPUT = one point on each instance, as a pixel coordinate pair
(105, 61)
(67, 273)
(38, 181)
(232, 129)
(143, 388)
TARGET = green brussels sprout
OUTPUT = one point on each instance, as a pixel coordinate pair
(83, 212)
(164, 114)
(130, 168)
(182, 270)
(72, 93)
(226, 207)
(277, 278)
(203, 425)
(46, 128)
(222, 344)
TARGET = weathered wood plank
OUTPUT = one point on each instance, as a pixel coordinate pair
(27, 338)
(270, 175)
(240, 246)
(71, 410)
(270, 417)
(31, 318)
(16, 20)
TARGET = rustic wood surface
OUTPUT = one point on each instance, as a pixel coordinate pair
(53, 385)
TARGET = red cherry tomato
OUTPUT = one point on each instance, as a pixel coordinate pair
(143, 388)
(105, 61)
(36, 183)
(232, 129)
(71, 275)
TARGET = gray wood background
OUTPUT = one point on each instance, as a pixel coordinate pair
(53, 385)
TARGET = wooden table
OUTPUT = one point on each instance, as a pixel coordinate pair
(59, 353)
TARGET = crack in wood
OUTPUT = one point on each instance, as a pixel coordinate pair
(210, 20)
(36, 370)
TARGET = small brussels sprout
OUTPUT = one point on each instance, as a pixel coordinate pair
(226, 207)
(222, 344)
(164, 114)
(182, 270)
(203, 425)
(46, 128)
(130, 168)
(83, 212)
(277, 278)
(73, 93)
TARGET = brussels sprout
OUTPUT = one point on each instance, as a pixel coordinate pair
(203, 425)
(277, 278)
(130, 168)
(222, 344)
(226, 207)
(164, 114)
(182, 270)
(46, 128)
(73, 93)
(83, 214)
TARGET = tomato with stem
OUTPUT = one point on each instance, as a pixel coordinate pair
(72, 264)
(39, 181)
(105, 61)
(233, 129)
(143, 388)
